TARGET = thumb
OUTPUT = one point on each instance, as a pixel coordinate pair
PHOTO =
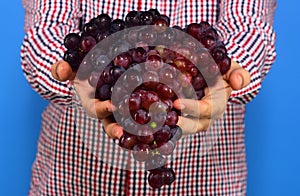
(112, 128)
(62, 71)
(237, 76)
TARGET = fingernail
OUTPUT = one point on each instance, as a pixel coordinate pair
(109, 109)
(56, 70)
(240, 81)
(119, 133)
(182, 106)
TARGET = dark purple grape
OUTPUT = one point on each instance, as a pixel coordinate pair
(167, 148)
(90, 29)
(168, 176)
(160, 24)
(146, 18)
(141, 152)
(106, 75)
(200, 94)
(150, 80)
(224, 64)
(141, 116)
(212, 71)
(95, 80)
(119, 92)
(167, 36)
(198, 82)
(139, 55)
(102, 35)
(85, 70)
(102, 61)
(72, 41)
(132, 19)
(204, 58)
(104, 92)
(149, 98)
(73, 57)
(95, 53)
(181, 63)
(122, 107)
(119, 47)
(211, 32)
(155, 180)
(218, 53)
(147, 36)
(158, 119)
(157, 161)
(165, 18)
(116, 72)
(184, 79)
(124, 60)
(162, 135)
(87, 43)
(169, 104)
(158, 112)
(192, 70)
(153, 52)
(134, 102)
(176, 133)
(153, 63)
(171, 118)
(208, 41)
(117, 25)
(204, 26)
(131, 79)
(145, 135)
(165, 92)
(194, 30)
(158, 107)
(132, 36)
(128, 141)
(130, 126)
(155, 13)
(167, 74)
(103, 22)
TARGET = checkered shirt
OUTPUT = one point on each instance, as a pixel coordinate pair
(75, 156)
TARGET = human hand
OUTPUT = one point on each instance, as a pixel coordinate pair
(102, 110)
(199, 114)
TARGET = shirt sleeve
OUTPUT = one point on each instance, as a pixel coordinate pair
(247, 31)
(46, 24)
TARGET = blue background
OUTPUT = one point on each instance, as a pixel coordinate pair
(272, 121)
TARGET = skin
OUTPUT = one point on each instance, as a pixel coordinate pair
(199, 114)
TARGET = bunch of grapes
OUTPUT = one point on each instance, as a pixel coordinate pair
(143, 72)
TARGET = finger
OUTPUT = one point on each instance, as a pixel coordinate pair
(112, 129)
(93, 107)
(211, 107)
(62, 71)
(193, 125)
(103, 109)
(237, 76)
(195, 108)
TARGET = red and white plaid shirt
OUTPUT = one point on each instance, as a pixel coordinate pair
(75, 158)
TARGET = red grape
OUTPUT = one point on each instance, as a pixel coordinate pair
(72, 41)
(141, 152)
(143, 72)
(87, 43)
